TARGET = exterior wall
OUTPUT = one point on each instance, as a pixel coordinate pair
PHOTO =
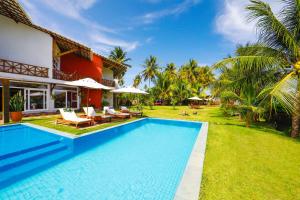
(24, 44)
(71, 63)
(108, 74)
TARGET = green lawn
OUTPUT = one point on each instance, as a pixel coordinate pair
(49, 122)
(241, 163)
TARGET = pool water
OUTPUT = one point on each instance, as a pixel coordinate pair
(141, 160)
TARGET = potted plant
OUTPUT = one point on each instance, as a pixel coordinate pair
(16, 107)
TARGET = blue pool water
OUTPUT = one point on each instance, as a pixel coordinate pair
(141, 160)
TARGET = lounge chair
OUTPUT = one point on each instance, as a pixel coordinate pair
(124, 109)
(111, 111)
(91, 114)
(71, 118)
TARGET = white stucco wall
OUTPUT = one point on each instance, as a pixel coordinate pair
(107, 74)
(24, 44)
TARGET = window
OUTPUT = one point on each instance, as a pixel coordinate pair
(60, 98)
(35, 99)
(65, 99)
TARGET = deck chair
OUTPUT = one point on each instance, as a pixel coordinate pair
(111, 111)
(91, 113)
(71, 118)
(124, 109)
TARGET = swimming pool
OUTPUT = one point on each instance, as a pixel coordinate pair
(145, 159)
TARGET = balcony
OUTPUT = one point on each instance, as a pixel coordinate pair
(108, 83)
(13, 67)
(60, 75)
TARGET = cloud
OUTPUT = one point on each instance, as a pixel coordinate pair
(232, 22)
(109, 42)
(102, 38)
(73, 9)
(149, 40)
(175, 10)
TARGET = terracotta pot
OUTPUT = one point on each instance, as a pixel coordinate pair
(16, 116)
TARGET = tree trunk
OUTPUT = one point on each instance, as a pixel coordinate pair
(296, 114)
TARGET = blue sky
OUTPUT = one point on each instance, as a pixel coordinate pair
(172, 30)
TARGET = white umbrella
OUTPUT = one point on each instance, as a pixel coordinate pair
(89, 84)
(130, 90)
(195, 99)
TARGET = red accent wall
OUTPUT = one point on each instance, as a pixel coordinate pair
(85, 68)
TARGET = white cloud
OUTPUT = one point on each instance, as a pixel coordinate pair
(232, 21)
(73, 9)
(176, 10)
(101, 39)
(149, 40)
(109, 42)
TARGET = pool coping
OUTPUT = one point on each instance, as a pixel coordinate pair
(190, 183)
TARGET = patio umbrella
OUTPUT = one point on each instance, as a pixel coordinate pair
(195, 99)
(88, 83)
(129, 90)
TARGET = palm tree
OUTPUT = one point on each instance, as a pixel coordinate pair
(278, 47)
(162, 88)
(137, 80)
(151, 69)
(171, 71)
(120, 56)
(189, 71)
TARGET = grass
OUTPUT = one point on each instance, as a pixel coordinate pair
(49, 122)
(244, 163)
(241, 163)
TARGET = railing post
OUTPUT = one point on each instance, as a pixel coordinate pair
(5, 100)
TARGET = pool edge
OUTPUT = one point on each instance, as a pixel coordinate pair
(189, 186)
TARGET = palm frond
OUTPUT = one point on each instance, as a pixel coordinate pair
(272, 32)
(283, 93)
(254, 63)
(290, 15)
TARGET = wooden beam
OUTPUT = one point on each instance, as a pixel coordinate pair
(67, 52)
(5, 100)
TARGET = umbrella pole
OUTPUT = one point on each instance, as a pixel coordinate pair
(88, 96)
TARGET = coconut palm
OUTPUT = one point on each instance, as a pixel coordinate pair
(151, 69)
(162, 89)
(120, 56)
(137, 80)
(278, 47)
(171, 71)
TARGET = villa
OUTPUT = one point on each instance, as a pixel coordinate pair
(39, 63)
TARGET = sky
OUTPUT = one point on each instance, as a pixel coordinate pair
(172, 30)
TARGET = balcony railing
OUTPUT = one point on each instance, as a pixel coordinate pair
(108, 83)
(60, 75)
(23, 69)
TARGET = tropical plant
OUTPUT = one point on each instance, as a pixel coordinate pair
(137, 80)
(163, 89)
(17, 103)
(171, 71)
(120, 56)
(151, 69)
(278, 48)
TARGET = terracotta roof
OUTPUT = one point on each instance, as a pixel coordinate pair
(13, 10)
(66, 44)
